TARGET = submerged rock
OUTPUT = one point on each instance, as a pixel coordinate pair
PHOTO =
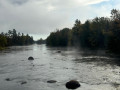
(23, 82)
(7, 79)
(58, 51)
(73, 84)
(30, 58)
(51, 81)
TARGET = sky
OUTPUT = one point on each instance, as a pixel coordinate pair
(40, 17)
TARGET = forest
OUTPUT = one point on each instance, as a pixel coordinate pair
(12, 37)
(40, 41)
(98, 33)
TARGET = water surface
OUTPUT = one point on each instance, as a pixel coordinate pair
(93, 70)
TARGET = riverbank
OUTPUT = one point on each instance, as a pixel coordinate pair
(2, 48)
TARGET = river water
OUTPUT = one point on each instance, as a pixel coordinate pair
(94, 71)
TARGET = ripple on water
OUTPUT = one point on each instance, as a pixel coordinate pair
(94, 72)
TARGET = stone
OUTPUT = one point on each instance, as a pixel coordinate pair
(8, 79)
(58, 51)
(73, 84)
(51, 81)
(30, 58)
(23, 82)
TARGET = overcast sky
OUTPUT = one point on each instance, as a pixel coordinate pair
(40, 17)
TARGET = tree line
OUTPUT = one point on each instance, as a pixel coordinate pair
(12, 37)
(98, 33)
(41, 41)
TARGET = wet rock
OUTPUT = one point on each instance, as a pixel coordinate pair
(7, 52)
(30, 58)
(51, 81)
(73, 84)
(23, 82)
(8, 79)
(116, 85)
(58, 51)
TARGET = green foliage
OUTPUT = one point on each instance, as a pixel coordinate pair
(3, 40)
(87, 35)
(101, 32)
(114, 39)
(14, 38)
(41, 41)
(60, 38)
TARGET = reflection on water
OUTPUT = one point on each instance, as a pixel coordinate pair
(94, 70)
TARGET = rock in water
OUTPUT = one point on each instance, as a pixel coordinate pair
(51, 81)
(73, 84)
(23, 82)
(8, 79)
(58, 51)
(30, 58)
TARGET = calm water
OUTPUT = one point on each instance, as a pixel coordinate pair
(94, 70)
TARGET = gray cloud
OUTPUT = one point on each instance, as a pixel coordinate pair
(31, 17)
(40, 17)
(19, 2)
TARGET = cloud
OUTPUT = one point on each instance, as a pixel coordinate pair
(40, 17)
(19, 2)
(31, 17)
(89, 2)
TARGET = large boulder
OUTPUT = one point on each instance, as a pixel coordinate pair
(73, 84)
(30, 58)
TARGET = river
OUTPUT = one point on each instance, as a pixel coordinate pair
(94, 71)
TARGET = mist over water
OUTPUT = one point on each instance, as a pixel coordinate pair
(94, 70)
